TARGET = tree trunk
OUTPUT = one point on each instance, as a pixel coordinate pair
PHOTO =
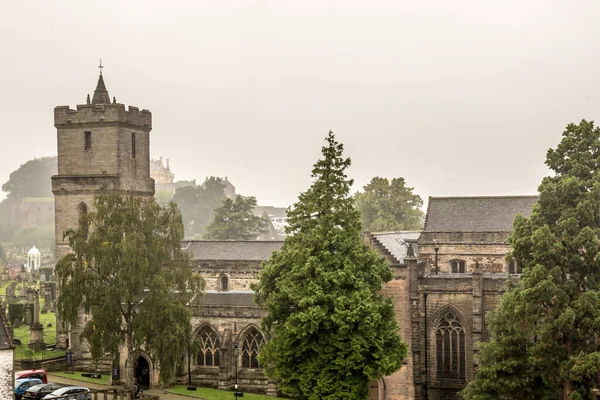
(567, 384)
(129, 375)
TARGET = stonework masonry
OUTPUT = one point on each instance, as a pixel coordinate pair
(102, 147)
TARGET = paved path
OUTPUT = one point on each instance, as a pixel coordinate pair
(75, 382)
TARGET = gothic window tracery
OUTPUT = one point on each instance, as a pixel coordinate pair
(251, 344)
(210, 352)
(450, 349)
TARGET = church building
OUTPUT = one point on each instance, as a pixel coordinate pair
(446, 277)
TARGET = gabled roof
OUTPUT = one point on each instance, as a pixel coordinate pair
(476, 214)
(250, 250)
(397, 242)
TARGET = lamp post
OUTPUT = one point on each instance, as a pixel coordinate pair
(235, 361)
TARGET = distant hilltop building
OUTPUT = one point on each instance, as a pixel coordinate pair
(160, 172)
(164, 178)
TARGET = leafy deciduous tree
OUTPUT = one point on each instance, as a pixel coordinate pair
(389, 206)
(197, 204)
(552, 317)
(133, 280)
(331, 330)
(235, 220)
(32, 179)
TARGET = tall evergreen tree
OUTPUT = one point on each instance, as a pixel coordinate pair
(331, 330)
(545, 338)
(133, 280)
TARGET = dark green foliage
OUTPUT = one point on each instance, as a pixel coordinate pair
(32, 179)
(389, 206)
(544, 330)
(133, 279)
(331, 330)
(197, 204)
(235, 220)
(16, 312)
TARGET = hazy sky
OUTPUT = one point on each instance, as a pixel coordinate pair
(458, 97)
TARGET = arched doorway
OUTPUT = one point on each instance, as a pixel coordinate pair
(142, 372)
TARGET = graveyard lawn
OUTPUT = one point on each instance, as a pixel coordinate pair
(104, 380)
(215, 394)
(22, 352)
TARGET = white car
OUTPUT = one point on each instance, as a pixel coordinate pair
(70, 393)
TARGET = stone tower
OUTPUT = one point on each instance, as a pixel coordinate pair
(102, 147)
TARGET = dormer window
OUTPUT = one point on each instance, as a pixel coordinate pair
(514, 267)
(457, 266)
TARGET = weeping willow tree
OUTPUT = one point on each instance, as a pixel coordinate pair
(128, 273)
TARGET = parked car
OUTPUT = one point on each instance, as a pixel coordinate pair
(37, 392)
(32, 373)
(21, 385)
(70, 393)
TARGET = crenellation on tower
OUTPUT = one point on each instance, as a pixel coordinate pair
(103, 114)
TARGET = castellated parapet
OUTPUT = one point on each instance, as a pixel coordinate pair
(102, 114)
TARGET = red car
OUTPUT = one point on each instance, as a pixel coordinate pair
(32, 373)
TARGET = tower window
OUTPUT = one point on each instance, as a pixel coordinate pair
(87, 145)
(224, 283)
(133, 145)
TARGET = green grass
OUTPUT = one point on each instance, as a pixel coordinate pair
(214, 394)
(105, 380)
(22, 333)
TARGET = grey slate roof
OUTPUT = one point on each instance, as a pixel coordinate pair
(251, 250)
(396, 242)
(476, 214)
(230, 298)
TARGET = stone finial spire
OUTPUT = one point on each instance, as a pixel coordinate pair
(88, 101)
(101, 94)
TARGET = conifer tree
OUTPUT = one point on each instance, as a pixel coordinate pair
(544, 334)
(331, 330)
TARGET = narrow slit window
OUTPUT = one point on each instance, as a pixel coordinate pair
(133, 145)
(87, 145)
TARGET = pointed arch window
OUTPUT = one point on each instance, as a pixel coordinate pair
(210, 351)
(83, 219)
(251, 344)
(450, 349)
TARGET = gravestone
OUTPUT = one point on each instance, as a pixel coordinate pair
(36, 330)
